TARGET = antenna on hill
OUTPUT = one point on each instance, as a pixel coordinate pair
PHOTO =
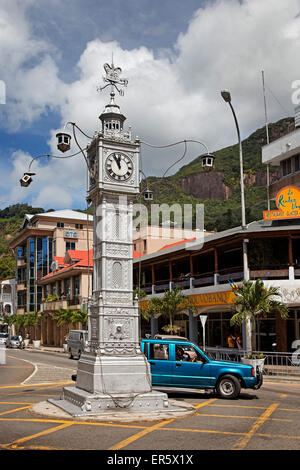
(268, 141)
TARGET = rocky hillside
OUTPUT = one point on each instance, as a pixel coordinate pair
(219, 189)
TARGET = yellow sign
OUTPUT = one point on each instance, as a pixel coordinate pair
(212, 298)
(288, 204)
(207, 299)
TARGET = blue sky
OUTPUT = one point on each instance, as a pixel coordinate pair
(177, 55)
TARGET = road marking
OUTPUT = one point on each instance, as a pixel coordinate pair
(241, 406)
(15, 409)
(283, 395)
(242, 417)
(46, 385)
(205, 403)
(89, 423)
(140, 434)
(15, 443)
(149, 429)
(241, 444)
(15, 403)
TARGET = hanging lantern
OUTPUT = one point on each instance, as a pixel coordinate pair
(63, 141)
(148, 195)
(26, 179)
(208, 161)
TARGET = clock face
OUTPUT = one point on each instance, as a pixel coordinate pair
(119, 166)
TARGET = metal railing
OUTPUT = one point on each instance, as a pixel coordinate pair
(284, 364)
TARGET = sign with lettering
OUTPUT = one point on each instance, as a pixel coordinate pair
(70, 234)
(288, 204)
(205, 299)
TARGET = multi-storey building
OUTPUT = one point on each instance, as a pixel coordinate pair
(284, 153)
(41, 238)
(149, 239)
(204, 272)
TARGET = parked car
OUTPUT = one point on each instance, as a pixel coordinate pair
(181, 364)
(76, 342)
(13, 342)
(3, 338)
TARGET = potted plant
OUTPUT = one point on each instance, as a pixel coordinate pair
(255, 360)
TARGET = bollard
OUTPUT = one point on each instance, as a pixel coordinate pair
(2, 354)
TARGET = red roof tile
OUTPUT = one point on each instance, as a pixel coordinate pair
(177, 243)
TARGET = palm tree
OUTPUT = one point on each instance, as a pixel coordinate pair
(63, 316)
(171, 304)
(254, 300)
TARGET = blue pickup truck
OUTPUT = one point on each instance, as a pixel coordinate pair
(181, 364)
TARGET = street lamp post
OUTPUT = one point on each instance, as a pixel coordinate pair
(227, 98)
(247, 325)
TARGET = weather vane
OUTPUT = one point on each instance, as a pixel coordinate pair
(113, 78)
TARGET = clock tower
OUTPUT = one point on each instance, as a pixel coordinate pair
(112, 371)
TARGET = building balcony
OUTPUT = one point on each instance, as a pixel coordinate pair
(21, 285)
(63, 303)
(21, 262)
(202, 282)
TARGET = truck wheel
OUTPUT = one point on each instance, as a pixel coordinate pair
(228, 387)
(70, 354)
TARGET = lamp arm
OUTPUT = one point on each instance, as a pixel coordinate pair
(51, 156)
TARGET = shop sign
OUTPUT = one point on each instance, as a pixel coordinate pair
(212, 298)
(207, 299)
(288, 204)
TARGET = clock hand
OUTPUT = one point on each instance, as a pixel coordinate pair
(118, 160)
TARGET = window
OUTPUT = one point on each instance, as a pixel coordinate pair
(70, 246)
(76, 285)
(60, 224)
(297, 162)
(286, 166)
(145, 245)
(187, 354)
(159, 351)
(80, 226)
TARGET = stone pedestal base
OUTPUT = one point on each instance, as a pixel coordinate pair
(113, 374)
(111, 383)
(78, 402)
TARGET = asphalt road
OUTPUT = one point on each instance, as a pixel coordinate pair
(267, 419)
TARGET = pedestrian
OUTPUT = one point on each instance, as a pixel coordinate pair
(21, 344)
(238, 341)
(231, 341)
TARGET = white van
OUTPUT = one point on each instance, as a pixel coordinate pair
(76, 342)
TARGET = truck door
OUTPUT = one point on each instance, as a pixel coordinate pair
(161, 366)
(190, 368)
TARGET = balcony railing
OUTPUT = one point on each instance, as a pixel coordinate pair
(235, 274)
(49, 306)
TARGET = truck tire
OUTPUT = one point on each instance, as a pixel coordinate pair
(228, 386)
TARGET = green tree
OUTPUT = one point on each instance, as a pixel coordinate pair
(171, 304)
(254, 300)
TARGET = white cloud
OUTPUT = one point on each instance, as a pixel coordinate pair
(169, 97)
